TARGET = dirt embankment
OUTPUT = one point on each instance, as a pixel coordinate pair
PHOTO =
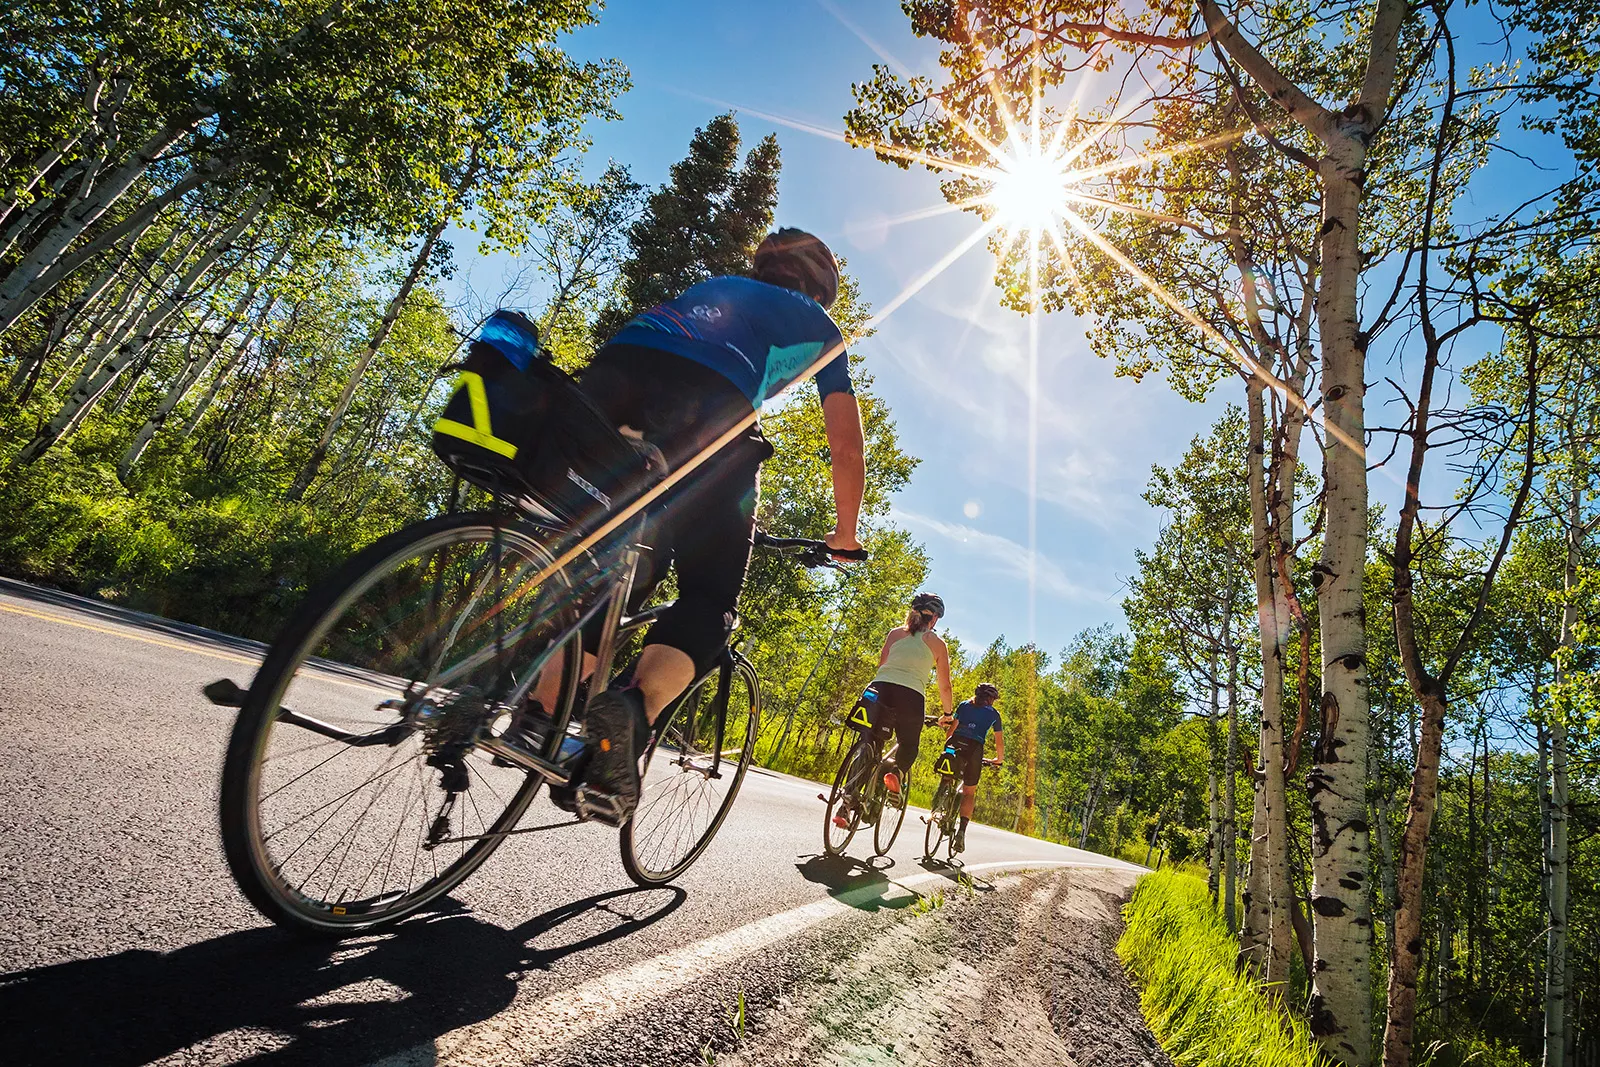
(1022, 972)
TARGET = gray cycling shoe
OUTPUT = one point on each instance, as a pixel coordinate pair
(618, 733)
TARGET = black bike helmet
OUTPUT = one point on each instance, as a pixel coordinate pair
(797, 260)
(986, 689)
(928, 602)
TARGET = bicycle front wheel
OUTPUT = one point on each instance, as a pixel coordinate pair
(693, 769)
(934, 834)
(893, 813)
(858, 763)
(352, 793)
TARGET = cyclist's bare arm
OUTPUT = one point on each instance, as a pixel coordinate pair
(999, 746)
(941, 666)
(841, 418)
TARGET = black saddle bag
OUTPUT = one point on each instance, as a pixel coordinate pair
(531, 435)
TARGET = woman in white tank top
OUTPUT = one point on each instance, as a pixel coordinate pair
(909, 653)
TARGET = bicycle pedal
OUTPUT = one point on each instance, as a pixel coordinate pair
(822, 797)
(607, 808)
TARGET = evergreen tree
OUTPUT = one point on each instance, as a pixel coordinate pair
(706, 221)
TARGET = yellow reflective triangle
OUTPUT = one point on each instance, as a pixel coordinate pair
(945, 765)
(859, 716)
(480, 433)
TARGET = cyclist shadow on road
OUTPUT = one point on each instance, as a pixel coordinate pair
(861, 884)
(957, 873)
(295, 1001)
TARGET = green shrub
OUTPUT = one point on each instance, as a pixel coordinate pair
(1203, 1011)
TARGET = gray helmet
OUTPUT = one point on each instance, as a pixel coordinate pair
(928, 602)
(986, 689)
(800, 261)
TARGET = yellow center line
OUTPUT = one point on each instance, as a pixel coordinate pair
(121, 631)
(233, 657)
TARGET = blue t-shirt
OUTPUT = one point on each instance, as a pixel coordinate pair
(760, 337)
(974, 721)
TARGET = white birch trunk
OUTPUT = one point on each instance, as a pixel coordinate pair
(341, 407)
(1341, 987)
(1266, 936)
(1557, 986)
(209, 397)
(1214, 872)
(91, 388)
(37, 173)
(1230, 824)
(193, 370)
(25, 282)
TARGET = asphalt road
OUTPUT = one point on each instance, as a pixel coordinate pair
(124, 941)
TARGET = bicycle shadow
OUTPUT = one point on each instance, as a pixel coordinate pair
(862, 884)
(299, 1001)
(955, 871)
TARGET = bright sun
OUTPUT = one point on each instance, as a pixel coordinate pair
(1030, 189)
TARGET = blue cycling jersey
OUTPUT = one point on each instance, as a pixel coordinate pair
(760, 337)
(974, 721)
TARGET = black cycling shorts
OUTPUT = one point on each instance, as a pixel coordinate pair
(705, 526)
(900, 710)
(969, 760)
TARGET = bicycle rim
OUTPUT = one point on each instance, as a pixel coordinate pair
(891, 812)
(418, 642)
(933, 836)
(681, 806)
(834, 839)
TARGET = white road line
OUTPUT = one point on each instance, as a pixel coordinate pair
(523, 1031)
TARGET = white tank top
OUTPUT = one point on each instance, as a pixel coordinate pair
(909, 661)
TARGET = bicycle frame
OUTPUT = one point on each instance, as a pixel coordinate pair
(613, 602)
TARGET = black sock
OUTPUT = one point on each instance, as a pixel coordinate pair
(963, 824)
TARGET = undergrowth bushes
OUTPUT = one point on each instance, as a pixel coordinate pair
(1204, 1012)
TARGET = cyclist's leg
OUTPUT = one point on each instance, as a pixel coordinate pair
(711, 530)
(969, 765)
(908, 730)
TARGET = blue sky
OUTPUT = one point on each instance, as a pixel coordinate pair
(951, 362)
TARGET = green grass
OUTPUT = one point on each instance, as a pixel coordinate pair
(1204, 1012)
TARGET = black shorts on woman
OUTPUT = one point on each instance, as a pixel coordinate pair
(900, 708)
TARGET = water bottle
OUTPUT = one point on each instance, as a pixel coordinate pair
(572, 747)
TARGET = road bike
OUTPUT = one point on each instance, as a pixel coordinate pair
(944, 813)
(369, 771)
(859, 791)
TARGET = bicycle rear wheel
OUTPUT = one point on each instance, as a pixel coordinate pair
(858, 762)
(693, 769)
(933, 836)
(352, 794)
(891, 815)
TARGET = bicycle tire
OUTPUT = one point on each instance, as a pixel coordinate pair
(952, 815)
(859, 752)
(637, 867)
(934, 835)
(244, 843)
(879, 845)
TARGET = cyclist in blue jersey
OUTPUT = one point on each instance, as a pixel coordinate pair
(680, 375)
(970, 727)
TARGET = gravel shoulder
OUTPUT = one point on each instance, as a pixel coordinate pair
(1018, 971)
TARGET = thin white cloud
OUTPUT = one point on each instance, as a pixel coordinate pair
(1000, 556)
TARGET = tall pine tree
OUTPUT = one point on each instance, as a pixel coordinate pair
(706, 221)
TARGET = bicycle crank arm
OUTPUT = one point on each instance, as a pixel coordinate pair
(225, 692)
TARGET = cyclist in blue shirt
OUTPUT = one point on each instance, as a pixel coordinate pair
(970, 728)
(680, 375)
